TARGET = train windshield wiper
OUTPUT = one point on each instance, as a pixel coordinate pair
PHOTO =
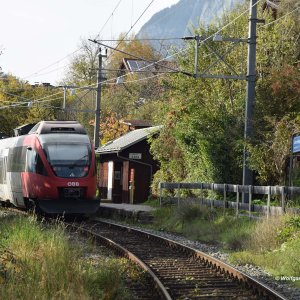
(75, 163)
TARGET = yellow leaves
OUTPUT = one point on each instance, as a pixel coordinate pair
(111, 128)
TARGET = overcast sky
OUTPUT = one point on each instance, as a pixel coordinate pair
(35, 34)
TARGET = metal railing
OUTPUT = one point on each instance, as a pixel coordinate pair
(282, 191)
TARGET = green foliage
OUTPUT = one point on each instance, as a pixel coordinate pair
(109, 283)
(41, 263)
(202, 139)
(135, 99)
(205, 224)
(276, 119)
(14, 91)
(290, 230)
(273, 244)
(82, 70)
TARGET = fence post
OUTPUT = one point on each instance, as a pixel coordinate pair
(178, 194)
(201, 193)
(224, 197)
(250, 200)
(283, 199)
(160, 194)
(268, 203)
(237, 200)
(212, 201)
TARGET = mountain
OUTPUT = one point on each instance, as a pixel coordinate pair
(179, 19)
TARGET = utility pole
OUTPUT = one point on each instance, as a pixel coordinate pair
(250, 93)
(250, 78)
(98, 100)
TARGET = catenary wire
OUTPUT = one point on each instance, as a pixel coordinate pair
(174, 54)
(110, 16)
(263, 26)
(186, 48)
(68, 55)
(134, 24)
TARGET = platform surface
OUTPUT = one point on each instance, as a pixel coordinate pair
(128, 207)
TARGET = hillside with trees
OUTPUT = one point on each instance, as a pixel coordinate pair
(202, 139)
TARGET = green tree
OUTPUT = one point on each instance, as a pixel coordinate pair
(22, 103)
(83, 66)
(131, 99)
(204, 119)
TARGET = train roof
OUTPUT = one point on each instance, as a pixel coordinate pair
(66, 139)
(46, 127)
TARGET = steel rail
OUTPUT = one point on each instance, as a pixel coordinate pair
(129, 255)
(258, 287)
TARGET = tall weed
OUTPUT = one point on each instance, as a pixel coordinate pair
(264, 236)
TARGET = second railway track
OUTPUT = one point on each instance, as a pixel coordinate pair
(178, 272)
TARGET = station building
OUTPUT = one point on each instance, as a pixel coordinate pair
(126, 166)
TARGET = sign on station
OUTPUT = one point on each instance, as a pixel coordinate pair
(296, 144)
(135, 155)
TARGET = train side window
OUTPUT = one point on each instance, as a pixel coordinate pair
(30, 161)
(16, 159)
(39, 166)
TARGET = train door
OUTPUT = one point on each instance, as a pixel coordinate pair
(5, 191)
(16, 166)
(2, 174)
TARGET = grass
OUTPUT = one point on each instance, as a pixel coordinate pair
(203, 224)
(37, 262)
(273, 244)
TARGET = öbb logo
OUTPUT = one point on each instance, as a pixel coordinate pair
(72, 183)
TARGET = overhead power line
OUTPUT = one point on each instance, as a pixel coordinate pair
(184, 49)
(110, 16)
(70, 54)
(172, 55)
(141, 58)
(133, 25)
(47, 67)
(28, 103)
(142, 39)
(287, 14)
(163, 59)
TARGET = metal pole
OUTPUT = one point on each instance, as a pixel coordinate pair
(197, 38)
(237, 200)
(250, 93)
(65, 98)
(98, 101)
(291, 162)
(268, 202)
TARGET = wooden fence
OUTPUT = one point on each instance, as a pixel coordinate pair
(283, 192)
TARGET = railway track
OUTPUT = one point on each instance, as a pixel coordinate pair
(177, 271)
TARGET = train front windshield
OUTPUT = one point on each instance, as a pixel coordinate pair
(69, 160)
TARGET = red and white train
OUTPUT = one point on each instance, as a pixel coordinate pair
(52, 168)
